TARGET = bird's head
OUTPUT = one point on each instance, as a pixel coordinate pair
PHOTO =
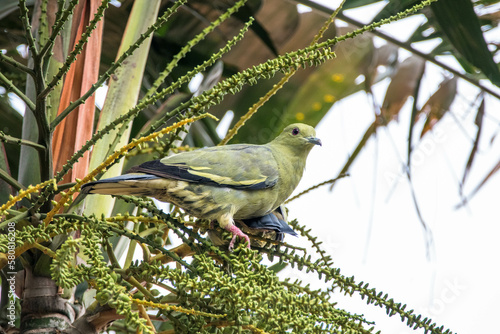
(300, 137)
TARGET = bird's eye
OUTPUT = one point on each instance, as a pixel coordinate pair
(295, 131)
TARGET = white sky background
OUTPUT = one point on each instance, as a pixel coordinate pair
(457, 288)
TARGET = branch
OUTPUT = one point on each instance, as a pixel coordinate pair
(14, 63)
(44, 132)
(133, 236)
(13, 140)
(63, 16)
(42, 23)
(369, 132)
(11, 87)
(316, 186)
(27, 27)
(16, 218)
(10, 180)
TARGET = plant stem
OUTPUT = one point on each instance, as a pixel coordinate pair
(11, 87)
(10, 180)
(14, 63)
(27, 28)
(13, 140)
(45, 250)
(61, 19)
(44, 132)
(17, 218)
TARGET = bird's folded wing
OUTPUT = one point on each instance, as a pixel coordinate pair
(235, 166)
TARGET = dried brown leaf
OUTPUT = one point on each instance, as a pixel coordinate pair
(479, 122)
(403, 85)
(438, 104)
(385, 55)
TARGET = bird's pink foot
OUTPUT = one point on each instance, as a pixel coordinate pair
(237, 233)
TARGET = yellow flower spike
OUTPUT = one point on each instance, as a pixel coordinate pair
(176, 308)
(109, 160)
(22, 194)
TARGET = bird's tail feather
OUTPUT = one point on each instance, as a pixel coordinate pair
(128, 184)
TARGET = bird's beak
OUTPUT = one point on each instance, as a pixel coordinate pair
(314, 140)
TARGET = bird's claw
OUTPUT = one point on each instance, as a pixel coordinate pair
(237, 233)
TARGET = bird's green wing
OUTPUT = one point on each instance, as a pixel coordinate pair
(239, 166)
